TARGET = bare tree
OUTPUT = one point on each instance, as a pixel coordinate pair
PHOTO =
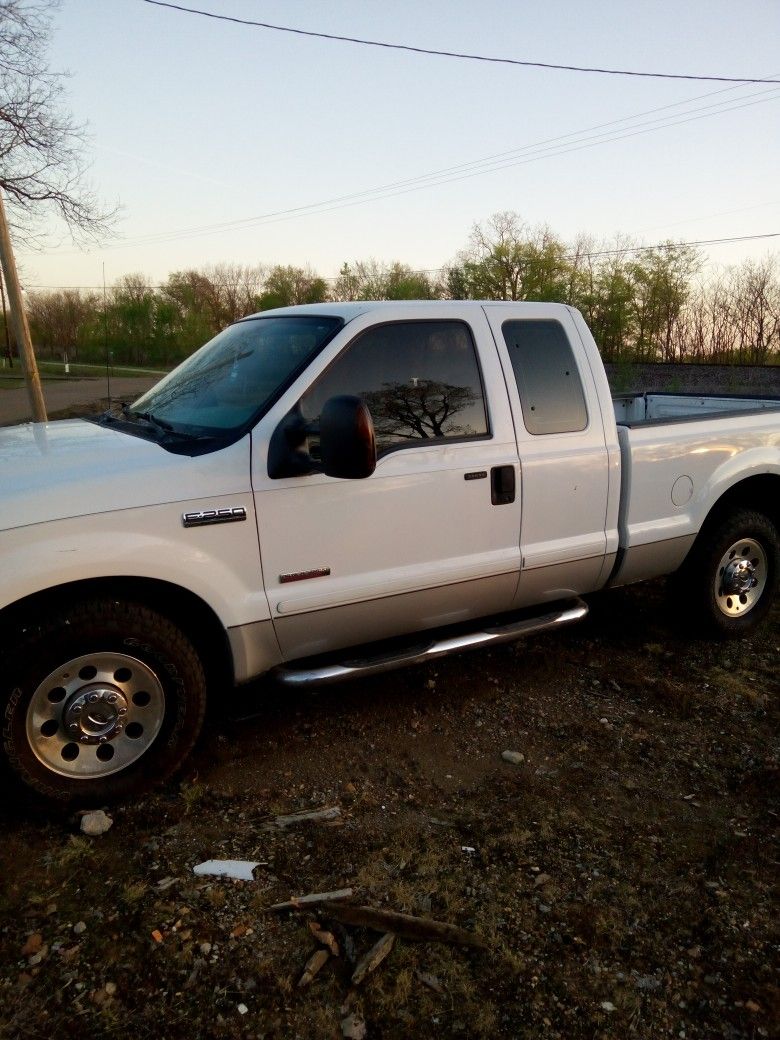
(42, 166)
(58, 321)
(757, 302)
(375, 280)
(236, 291)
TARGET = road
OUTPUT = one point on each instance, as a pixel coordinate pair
(66, 395)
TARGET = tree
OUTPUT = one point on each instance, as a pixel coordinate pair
(456, 282)
(59, 321)
(199, 304)
(608, 300)
(236, 291)
(130, 318)
(347, 285)
(507, 260)
(287, 286)
(756, 294)
(662, 280)
(42, 167)
(403, 283)
(188, 298)
(374, 280)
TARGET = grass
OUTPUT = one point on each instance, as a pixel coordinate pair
(97, 370)
(55, 370)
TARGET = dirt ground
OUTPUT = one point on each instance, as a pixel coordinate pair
(622, 875)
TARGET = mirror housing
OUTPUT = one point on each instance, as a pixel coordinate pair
(286, 457)
(347, 444)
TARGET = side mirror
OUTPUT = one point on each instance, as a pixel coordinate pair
(347, 445)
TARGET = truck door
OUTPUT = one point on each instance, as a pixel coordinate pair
(562, 450)
(432, 537)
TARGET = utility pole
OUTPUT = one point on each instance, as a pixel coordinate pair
(8, 352)
(21, 329)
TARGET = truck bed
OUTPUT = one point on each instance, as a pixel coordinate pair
(676, 460)
(634, 410)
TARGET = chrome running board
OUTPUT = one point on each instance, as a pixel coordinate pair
(418, 653)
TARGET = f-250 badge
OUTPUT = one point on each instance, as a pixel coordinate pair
(213, 516)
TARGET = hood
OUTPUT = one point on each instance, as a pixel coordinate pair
(60, 470)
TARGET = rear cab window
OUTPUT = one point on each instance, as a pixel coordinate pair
(552, 398)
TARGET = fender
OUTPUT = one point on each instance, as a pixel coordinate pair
(219, 563)
(761, 461)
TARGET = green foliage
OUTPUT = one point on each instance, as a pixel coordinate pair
(505, 260)
(641, 305)
(372, 280)
(288, 286)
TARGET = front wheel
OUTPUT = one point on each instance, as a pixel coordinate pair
(731, 576)
(100, 702)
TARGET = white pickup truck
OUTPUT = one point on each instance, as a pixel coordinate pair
(334, 490)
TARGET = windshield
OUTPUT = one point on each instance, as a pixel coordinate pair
(231, 379)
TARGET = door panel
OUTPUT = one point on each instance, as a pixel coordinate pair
(416, 545)
(415, 525)
(565, 472)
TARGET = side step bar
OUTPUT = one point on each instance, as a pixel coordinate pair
(419, 653)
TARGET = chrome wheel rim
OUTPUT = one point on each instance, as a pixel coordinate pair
(741, 577)
(95, 715)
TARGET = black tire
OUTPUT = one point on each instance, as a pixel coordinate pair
(104, 700)
(729, 580)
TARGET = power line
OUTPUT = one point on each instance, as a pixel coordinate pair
(571, 256)
(550, 148)
(405, 188)
(452, 54)
(710, 216)
(673, 245)
(621, 250)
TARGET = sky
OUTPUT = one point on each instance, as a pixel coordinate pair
(195, 122)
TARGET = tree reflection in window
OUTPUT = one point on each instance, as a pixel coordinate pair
(420, 409)
(420, 380)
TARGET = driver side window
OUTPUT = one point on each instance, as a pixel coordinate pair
(420, 380)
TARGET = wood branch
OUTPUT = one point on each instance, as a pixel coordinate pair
(326, 938)
(313, 965)
(312, 816)
(373, 958)
(422, 929)
(313, 899)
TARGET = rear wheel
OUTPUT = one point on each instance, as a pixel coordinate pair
(730, 578)
(102, 701)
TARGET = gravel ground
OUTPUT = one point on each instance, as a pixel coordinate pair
(621, 873)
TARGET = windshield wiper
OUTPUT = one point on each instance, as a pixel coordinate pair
(167, 429)
(153, 420)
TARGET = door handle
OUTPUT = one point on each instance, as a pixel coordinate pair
(502, 485)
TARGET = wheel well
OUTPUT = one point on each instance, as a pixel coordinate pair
(760, 493)
(195, 618)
